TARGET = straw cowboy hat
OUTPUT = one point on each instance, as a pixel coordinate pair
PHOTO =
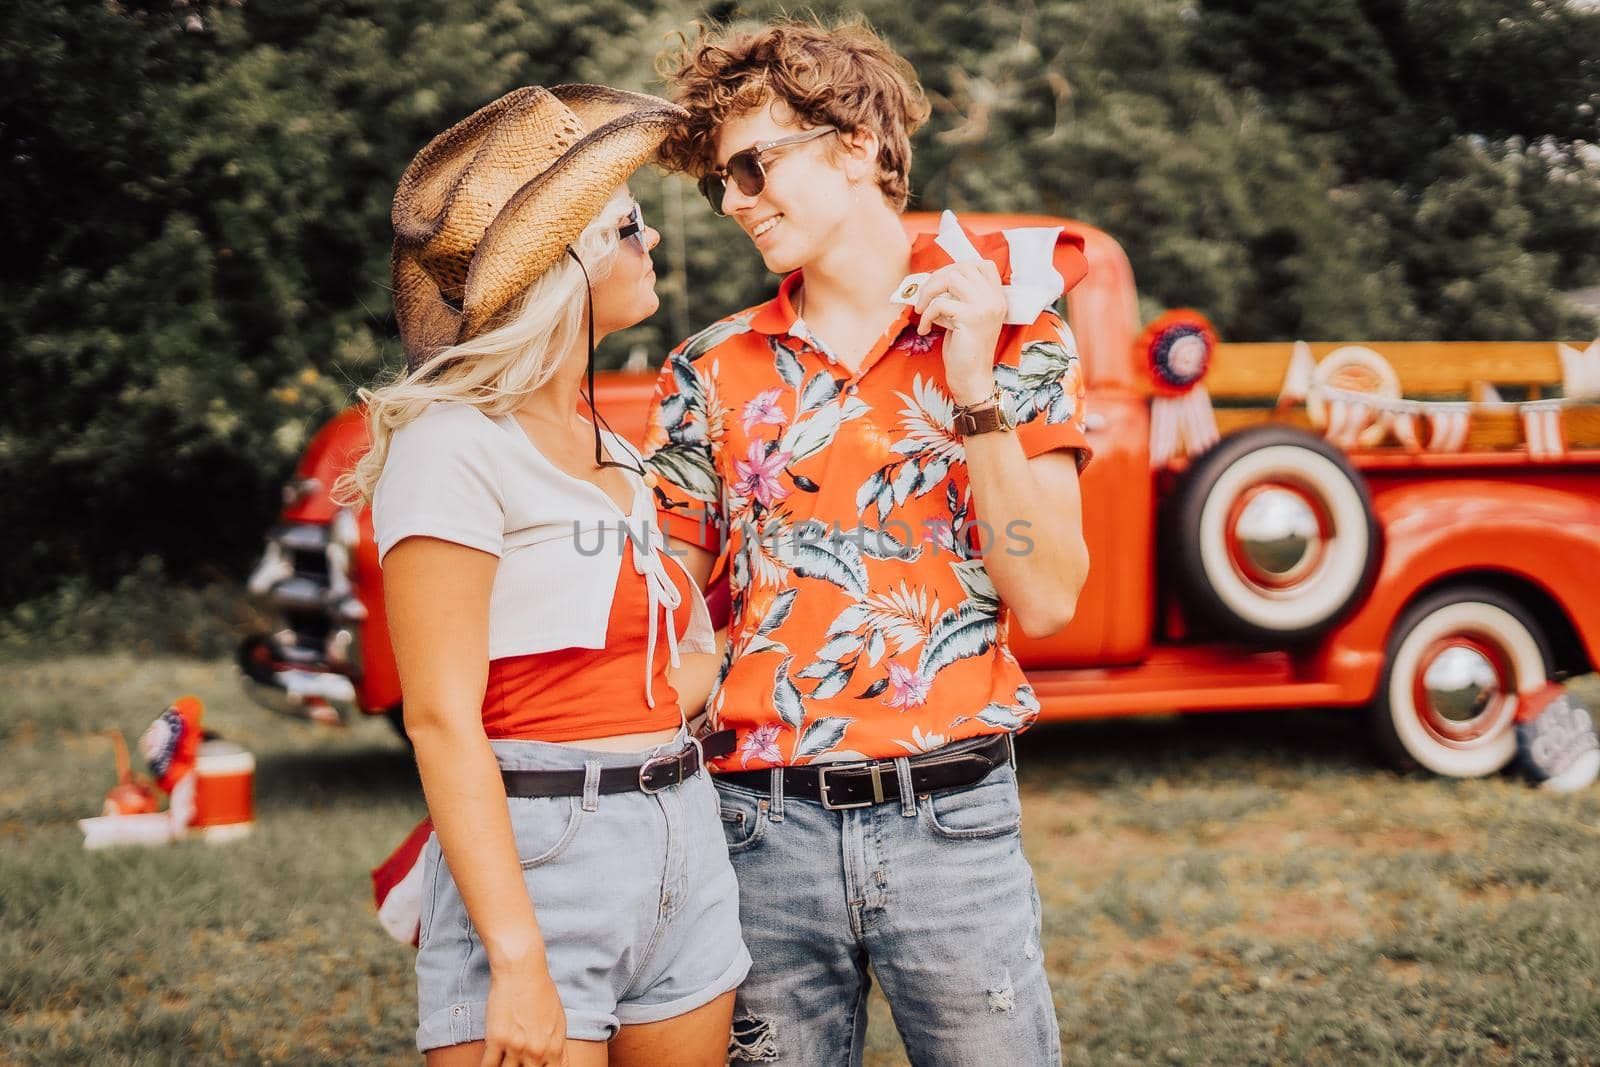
(494, 201)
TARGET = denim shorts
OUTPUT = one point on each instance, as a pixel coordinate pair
(633, 893)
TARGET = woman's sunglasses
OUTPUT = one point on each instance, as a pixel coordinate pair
(746, 171)
(632, 228)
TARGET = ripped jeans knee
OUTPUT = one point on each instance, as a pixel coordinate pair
(752, 1041)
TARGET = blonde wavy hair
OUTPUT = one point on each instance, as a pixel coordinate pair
(497, 370)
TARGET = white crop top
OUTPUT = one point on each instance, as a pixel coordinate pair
(462, 476)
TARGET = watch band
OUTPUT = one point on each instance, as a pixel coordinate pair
(986, 416)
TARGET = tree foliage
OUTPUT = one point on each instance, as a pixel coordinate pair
(199, 194)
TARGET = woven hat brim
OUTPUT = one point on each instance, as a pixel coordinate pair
(532, 232)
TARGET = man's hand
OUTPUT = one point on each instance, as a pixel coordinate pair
(968, 301)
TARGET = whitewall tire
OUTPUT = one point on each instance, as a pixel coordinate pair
(1457, 663)
(1273, 536)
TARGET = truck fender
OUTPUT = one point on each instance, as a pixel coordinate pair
(1546, 537)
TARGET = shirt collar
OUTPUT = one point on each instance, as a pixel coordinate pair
(777, 316)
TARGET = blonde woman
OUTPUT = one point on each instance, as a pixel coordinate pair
(579, 907)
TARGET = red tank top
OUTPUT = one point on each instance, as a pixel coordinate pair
(575, 693)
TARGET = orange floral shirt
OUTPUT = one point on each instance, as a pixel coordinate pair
(863, 622)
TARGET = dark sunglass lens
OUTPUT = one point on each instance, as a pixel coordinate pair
(713, 188)
(745, 169)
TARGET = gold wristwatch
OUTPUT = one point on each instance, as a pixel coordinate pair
(986, 416)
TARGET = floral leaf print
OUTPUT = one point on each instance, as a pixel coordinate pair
(787, 363)
(687, 466)
(909, 688)
(711, 337)
(811, 552)
(757, 552)
(822, 388)
(1043, 363)
(871, 488)
(1001, 717)
(905, 617)
(905, 481)
(786, 699)
(1063, 405)
(778, 613)
(762, 744)
(976, 582)
(810, 435)
(1037, 382)
(874, 689)
(817, 669)
(839, 647)
(1026, 697)
(763, 410)
(822, 735)
(921, 742)
(879, 543)
(673, 416)
(834, 681)
(964, 631)
(848, 619)
(929, 422)
(875, 648)
(759, 643)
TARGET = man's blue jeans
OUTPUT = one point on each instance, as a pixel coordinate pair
(935, 893)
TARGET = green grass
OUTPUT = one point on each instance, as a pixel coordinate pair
(1234, 891)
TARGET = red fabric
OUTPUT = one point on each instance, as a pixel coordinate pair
(576, 693)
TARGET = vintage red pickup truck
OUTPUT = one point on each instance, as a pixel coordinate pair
(1409, 528)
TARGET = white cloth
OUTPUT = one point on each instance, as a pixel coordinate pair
(456, 474)
(1035, 283)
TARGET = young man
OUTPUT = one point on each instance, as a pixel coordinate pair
(846, 453)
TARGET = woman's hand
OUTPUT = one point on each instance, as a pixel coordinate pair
(525, 1024)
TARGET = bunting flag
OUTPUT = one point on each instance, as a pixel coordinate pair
(1404, 428)
(1177, 349)
(1447, 427)
(1297, 382)
(1347, 421)
(1372, 411)
(1580, 372)
(1541, 428)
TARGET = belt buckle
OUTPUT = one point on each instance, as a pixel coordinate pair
(675, 758)
(822, 785)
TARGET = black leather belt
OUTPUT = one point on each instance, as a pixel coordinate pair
(651, 776)
(841, 786)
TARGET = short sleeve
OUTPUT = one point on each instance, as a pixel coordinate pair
(439, 480)
(678, 449)
(1042, 380)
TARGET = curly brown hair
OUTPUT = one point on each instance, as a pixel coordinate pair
(840, 75)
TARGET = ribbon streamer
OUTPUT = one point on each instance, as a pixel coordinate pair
(1181, 425)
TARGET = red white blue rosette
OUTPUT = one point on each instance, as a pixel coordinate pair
(1177, 348)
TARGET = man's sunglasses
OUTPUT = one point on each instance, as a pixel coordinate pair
(632, 228)
(746, 171)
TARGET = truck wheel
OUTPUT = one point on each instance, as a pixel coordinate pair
(1456, 662)
(1272, 536)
